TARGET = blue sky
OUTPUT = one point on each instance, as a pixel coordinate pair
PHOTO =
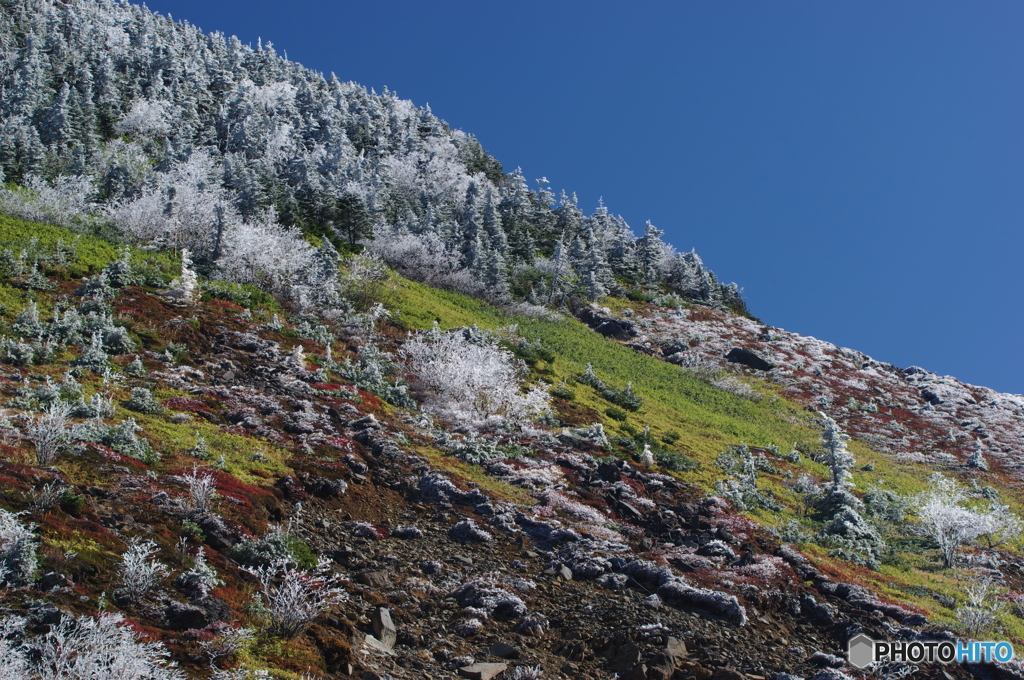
(858, 168)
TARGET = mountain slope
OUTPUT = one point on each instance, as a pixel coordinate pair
(586, 565)
(296, 379)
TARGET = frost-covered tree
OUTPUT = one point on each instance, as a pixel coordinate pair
(466, 376)
(945, 515)
(187, 140)
(850, 535)
(979, 613)
(838, 493)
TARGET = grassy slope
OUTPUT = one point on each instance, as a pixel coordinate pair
(708, 420)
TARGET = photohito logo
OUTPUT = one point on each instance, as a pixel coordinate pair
(862, 651)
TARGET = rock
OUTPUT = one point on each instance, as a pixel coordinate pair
(503, 651)
(628, 512)
(639, 672)
(626, 657)
(652, 601)
(51, 580)
(482, 671)
(383, 628)
(431, 567)
(375, 579)
(664, 664)
(821, 659)
(748, 358)
(617, 329)
(728, 674)
(609, 472)
(374, 675)
(181, 616)
(696, 670)
(675, 648)
(565, 572)
(373, 644)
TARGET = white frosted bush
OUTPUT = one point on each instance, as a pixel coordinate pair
(294, 598)
(84, 648)
(202, 489)
(63, 202)
(980, 613)
(945, 516)
(140, 573)
(18, 544)
(468, 378)
(49, 432)
(146, 119)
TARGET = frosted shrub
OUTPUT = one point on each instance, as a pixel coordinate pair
(18, 544)
(228, 643)
(740, 488)
(838, 492)
(808, 489)
(279, 546)
(49, 432)
(471, 379)
(96, 406)
(979, 614)
(202, 490)
(264, 254)
(999, 524)
(135, 368)
(63, 202)
(200, 579)
(16, 352)
(977, 461)
(146, 119)
(139, 572)
(371, 372)
(13, 661)
(121, 272)
(84, 647)
(184, 290)
(293, 598)
(526, 673)
(886, 505)
(94, 355)
(122, 438)
(945, 517)
(467, 531)
(736, 386)
(45, 497)
(420, 257)
(142, 401)
(627, 398)
(27, 324)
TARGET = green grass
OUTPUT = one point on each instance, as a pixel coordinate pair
(91, 253)
(707, 419)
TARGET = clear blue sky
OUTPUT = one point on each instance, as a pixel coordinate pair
(858, 168)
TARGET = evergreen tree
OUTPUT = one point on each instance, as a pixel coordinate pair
(649, 251)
